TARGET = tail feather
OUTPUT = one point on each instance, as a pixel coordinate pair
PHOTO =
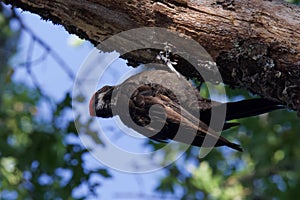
(242, 109)
(229, 125)
(211, 142)
(234, 146)
(250, 107)
(224, 142)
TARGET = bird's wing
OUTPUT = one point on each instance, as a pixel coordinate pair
(179, 115)
(194, 130)
(176, 114)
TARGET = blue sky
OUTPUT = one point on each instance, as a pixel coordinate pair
(56, 83)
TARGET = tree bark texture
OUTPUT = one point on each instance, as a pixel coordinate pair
(255, 43)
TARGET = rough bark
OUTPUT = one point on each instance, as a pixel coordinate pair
(256, 43)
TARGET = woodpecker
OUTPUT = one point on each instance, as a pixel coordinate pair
(158, 104)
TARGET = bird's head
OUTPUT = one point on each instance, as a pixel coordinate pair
(100, 103)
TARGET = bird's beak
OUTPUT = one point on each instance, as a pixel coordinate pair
(92, 106)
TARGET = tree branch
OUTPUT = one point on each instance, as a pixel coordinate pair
(256, 44)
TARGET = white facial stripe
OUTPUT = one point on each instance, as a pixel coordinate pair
(100, 103)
